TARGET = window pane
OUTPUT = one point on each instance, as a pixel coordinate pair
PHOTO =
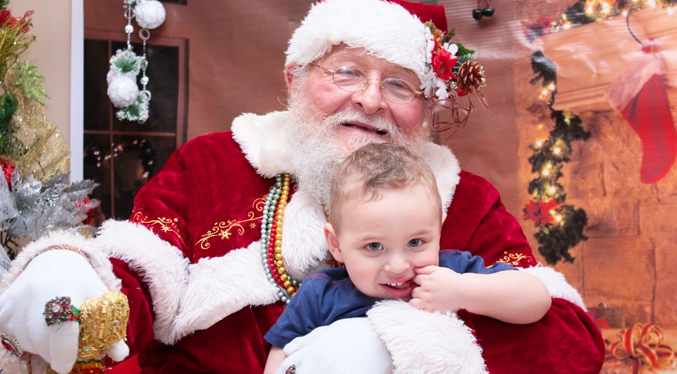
(96, 166)
(132, 159)
(97, 105)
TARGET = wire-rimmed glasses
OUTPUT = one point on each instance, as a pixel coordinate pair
(352, 79)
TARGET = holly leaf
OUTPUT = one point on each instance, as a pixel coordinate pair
(30, 80)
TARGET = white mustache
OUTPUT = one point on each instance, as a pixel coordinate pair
(380, 124)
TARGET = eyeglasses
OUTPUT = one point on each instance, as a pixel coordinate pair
(352, 79)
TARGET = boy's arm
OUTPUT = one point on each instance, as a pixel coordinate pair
(275, 359)
(509, 296)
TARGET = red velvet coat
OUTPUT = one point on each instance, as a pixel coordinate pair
(190, 263)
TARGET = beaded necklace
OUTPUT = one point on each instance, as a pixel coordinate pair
(271, 239)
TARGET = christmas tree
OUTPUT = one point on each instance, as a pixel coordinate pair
(35, 194)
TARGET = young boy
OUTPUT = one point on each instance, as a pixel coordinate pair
(385, 216)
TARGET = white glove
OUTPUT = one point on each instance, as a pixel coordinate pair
(346, 346)
(55, 273)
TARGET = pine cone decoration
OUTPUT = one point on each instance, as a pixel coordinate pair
(470, 76)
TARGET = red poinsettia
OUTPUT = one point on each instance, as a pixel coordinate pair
(7, 170)
(90, 212)
(539, 212)
(7, 20)
(443, 61)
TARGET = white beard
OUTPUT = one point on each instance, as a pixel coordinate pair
(316, 153)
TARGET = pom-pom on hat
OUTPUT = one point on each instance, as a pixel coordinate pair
(384, 29)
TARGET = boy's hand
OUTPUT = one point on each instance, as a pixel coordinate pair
(440, 290)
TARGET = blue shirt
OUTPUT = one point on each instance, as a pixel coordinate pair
(330, 295)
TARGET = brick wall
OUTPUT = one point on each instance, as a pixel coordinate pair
(629, 262)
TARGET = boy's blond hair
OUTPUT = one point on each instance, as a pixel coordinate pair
(375, 167)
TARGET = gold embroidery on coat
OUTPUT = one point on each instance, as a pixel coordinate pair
(224, 229)
(512, 258)
(166, 224)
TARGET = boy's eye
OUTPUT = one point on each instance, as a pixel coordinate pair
(374, 246)
(415, 242)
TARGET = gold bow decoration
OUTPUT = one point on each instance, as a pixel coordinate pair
(643, 346)
(103, 321)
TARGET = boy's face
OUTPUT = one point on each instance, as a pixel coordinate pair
(382, 241)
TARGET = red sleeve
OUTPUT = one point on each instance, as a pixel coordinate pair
(565, 341)
(478, 222)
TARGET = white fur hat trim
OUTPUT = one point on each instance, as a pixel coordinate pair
(384, 29)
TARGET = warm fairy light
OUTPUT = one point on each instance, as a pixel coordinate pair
(566, 26)
(545, 92)
(557, 150)
(551, 87)
(651, 3)
(558, 217)
(589, 10)
(606, 8)
(624, 13)
(539, 143)
(546, 170)
(552, 189)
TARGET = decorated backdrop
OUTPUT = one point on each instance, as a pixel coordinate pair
(596, 100)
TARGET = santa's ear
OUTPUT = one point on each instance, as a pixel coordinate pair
(332, 242)
(289, 77)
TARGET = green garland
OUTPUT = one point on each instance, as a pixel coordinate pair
(560, 226)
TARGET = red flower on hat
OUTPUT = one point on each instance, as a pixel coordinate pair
(539, 212)
(443, 61)
(7, 170)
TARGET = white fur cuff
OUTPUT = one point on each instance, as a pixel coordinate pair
(423, 342)
(162, 266)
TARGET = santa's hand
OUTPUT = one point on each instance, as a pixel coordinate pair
(346, 346)
(34, 309)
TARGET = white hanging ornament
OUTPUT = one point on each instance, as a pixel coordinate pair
(149, 14)
(139, 111)
(123, 91)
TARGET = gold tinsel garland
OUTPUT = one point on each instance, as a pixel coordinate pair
(47, 152)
